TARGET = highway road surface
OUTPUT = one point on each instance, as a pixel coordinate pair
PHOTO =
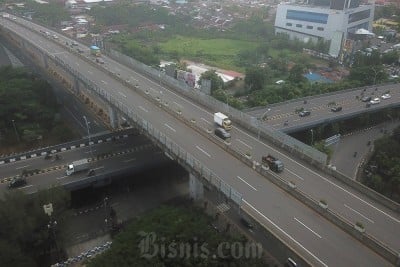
(320, 107)
(321, 241)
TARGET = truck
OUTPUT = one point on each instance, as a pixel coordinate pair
(223, 121)
(77, 166)
(273, 163)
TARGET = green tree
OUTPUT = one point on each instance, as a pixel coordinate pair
(255, 78)
(296, 74)
(216, 81)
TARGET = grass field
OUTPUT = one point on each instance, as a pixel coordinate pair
(218, 52)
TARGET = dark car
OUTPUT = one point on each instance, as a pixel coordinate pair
(304, 113)
(221, 133)
(17, 182)
(246, 223)
(366, 99)
(336, 109)
(90, 172)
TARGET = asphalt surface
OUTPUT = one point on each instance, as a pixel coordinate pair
(144, 150)
(343, 157)
(319, 239)
(321, 110)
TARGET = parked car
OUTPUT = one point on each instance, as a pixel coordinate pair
(222, 133)
(17, 182)
(100, 60)
(304, 113)
(386, 96)
(366, 99)
(336, 109)
(375, 101)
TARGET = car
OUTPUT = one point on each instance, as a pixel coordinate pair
(375, 101)
(336, 109)
(55, 36)
(91, 172)
(366, 99)
(386, 96)
(17, 182)
(246, 223)
(291, 263)
(222, 133)
(79, 50)
(99, 60)
(304, 113)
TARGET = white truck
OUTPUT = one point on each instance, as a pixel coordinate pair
(223, 121)
(77, 166)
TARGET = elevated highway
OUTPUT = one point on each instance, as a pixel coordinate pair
(276, 115)
(110, 156)
(319, 240)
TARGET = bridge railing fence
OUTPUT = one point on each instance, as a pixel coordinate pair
(251, 123)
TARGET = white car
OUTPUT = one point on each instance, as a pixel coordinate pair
(375, 101)
(386, 96)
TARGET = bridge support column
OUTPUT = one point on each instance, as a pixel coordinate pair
(113, 117)
(196, 188)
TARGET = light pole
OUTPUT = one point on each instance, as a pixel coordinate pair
(15, 129)
(312, 136)
(259, 122)
(264, 114)
(87, 127)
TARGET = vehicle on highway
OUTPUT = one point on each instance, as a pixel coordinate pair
(366, 99)
(222, 133)
(91, 172)
(79, 50)
(273, 163)
(304, 113)
(386, 96)
(100, 60)
(375, 101)
(77, 166)
(17, 182)
(55, 36)
(291, 263)
(336, 109)
(223, 121)
(246, 223)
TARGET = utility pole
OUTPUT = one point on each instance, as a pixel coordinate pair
(15, 129)
(88, 132)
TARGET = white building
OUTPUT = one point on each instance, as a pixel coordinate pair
(330, 20)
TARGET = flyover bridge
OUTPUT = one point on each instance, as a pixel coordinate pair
(183, 129)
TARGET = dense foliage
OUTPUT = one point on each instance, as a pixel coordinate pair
(27, 108)
(25, 238)
(49, 14)
(171, 226)
(383, 170)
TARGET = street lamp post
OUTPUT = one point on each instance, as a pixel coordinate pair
(259, 122)
(87, 127)
(15, 129)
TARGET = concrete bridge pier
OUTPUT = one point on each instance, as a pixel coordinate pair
(196, 188)
(113, 117)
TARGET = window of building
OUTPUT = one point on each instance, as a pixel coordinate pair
(289, 24)
(310, 27)
(299, 25)
(359, 16)
(307, 16)
(320, 28)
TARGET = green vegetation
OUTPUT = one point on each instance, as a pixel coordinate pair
(26, 240)
(383, 170)
(28, 110)
(185, 229)
(50, 14)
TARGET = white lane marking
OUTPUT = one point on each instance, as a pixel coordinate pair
(307, 227)
(179, 105)
(172, 129)
(247, 183)
(296, 120)
(240, 141)
(301, 178)
(359, 213)
(142, 108)
(22, 167)
(98, 168)
(59, 178)
(199, 148)
(280, 229)
(122, 94)
(90, 72)
(205, 120)
(129, 160)
(25, 186)
(93, 150)
(322, 177)
(104, 82)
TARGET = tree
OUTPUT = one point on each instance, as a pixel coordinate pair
(216, 81)
(296, 74)
(255, 78)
